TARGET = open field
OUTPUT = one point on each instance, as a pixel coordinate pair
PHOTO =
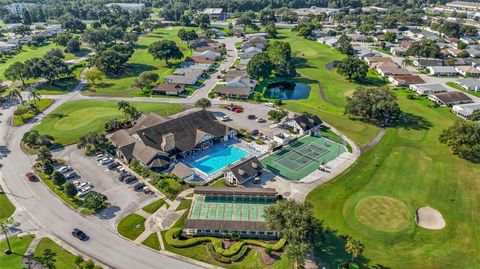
(19, 245)
(140, 61)
(64, 259)
(74, 119)
(131, 226)
(6, 207)
(410, 166)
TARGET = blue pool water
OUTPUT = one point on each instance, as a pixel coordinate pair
(219, 159)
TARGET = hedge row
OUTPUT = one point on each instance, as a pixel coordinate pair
(217, 256)
(173, 234)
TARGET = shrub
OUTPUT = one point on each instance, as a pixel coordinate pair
(177, 233)
(410, 96)
(234, 249)
(268, 251)
(240, 254)
(217, 255)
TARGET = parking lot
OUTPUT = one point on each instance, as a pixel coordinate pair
(120, 195)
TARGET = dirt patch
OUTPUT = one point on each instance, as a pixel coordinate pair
(349, 93)
(267, 259)
(429, 218)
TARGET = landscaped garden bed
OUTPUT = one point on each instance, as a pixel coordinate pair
(27, 111)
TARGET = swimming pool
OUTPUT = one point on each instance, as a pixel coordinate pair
(219, 159)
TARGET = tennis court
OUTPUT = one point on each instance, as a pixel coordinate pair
(302, 157)
(229, 208)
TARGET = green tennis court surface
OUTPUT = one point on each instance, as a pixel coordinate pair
(229, 208)
(302, 157)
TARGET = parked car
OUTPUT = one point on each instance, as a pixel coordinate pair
(130, 179)
(71, 175)
(64, 169)
(261, 120)
(254, 132)
(256, 180)
(100, 156)
(225, 118)
(269, 104)
(147, 190)
(120, 168)
(31, 176)
(106, 160)
(81, 185)
(112, 166)
(123, 175)
(139, 186)
(238, 110)
(84, 191)
(79, 234)
(251, 117)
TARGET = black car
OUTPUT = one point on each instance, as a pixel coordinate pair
(112, 166)
(130, 179)
(123, 175)
(138, 186)
(79, 234)
(254, 132)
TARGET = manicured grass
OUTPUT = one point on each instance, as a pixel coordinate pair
(63, 259)
(73, 202)
(19, 245)
(131, 226)
(184, 204)
(151, 208)
(42, 104)
(60, 86)
(383, 213)
(409, 164)
(312, 60)
(152, 241)
(219, 183)
(458, 87)
(6, 207)
(141, 61)
(74, 119)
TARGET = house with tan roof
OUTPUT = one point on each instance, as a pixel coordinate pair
(468, 71)
(405, 80)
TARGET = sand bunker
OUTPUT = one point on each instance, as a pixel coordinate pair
(429, 218)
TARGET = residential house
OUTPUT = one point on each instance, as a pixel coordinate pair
(183, 80)
(215, 14)
(445, 71)
(319, 33)
(454, 51)
(237, 32)
(183, 172)
(450, 98)
(158, 142)
(475, 53)
(241, 82)
(363, 52)
(357, 37)
(215, 47)
(391, 69)
(468, 71)
(424, 63)
(466, 110)
(204, 67)
(7, 48)
(377, 59)
(201, 42)
(427, 89)
(405, 80)
(256, 35)
(232, 92)
(305, 124)
(328, 40)
(246, 170)
(233, 73)
(469, 84)
(199, 60)
(243, 62)
(398, 51)
(210, 55)
(188, 72)
(250, 52)
(258, 42)
(168, 89)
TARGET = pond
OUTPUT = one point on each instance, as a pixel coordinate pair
(288, 91)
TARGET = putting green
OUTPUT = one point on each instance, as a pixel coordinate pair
(77, 119)
(382, 213)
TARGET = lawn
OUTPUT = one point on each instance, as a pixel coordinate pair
(458, 87)
(219, 183)
(411, 169)
(6, 207)
(184, 204)
(19, 245)
(41, 104)
(151, 208)
(152, 241)
(328, 89)
(64, 259)
(60, 86)
(74, 119)
(131, 226)
(141, 61)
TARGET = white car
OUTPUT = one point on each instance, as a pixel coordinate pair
(100, 156)
(225, 118)
(64, 169)
(260, 120)
(269, 104)
(106, 160)
(82, 185)
(84, 191)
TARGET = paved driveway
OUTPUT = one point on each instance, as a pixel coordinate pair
(121, 196)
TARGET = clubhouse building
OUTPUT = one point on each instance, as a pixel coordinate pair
(157, 142)
(220, 210)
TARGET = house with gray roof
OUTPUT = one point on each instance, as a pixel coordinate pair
(208, 54)
(427, 89)
(250, 52)
(304, 124)
(157, 142)
(245, 170)
(469, 84)
(183, 172)
(233, 92)
(466, 110)
(445, 71)
(241, 82)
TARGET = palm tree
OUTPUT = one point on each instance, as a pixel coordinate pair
(123, 106)
(407, 62)
(353, 247)
(34, 95)
(15, 95)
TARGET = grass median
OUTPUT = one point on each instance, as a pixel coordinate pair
(131, 226)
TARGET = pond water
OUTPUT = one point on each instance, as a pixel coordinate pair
(288, 91)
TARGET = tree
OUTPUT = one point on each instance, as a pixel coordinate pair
(475, 115)
(260, 66)
(44, 155)
(296, 223)
(89, 265)
(27, 18)
(187, 35)
(267, 16)
(94, 201)
(129, 110)
(390, 36)
(72, 24)
(54, 53)
(377, 104)
(366, 28)
(70, 189)
(62, 38)
(47, 259)
(407, 61)
(73, 45)
(277, 115)
(113, 60)
(165, 50)
(353, 68)
(202, 21)
(280, 53)
(58, 178)
(112, 125)
(34, 96)
(93, 75)
(343, 45)
(203, 103)
(22, 30)
(353, 247)
(16, 96)
(425, 48)
(246, 19)
(146, 79)
(16, 71)
(463, 137)
(96, 24)
(271, 30)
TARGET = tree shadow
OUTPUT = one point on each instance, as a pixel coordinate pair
(57, 115)
(410, 121)
(301, 62)
(372, 81)
(133, 70)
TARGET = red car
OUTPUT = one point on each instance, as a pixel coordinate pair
(238, 110)
(30, 176)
